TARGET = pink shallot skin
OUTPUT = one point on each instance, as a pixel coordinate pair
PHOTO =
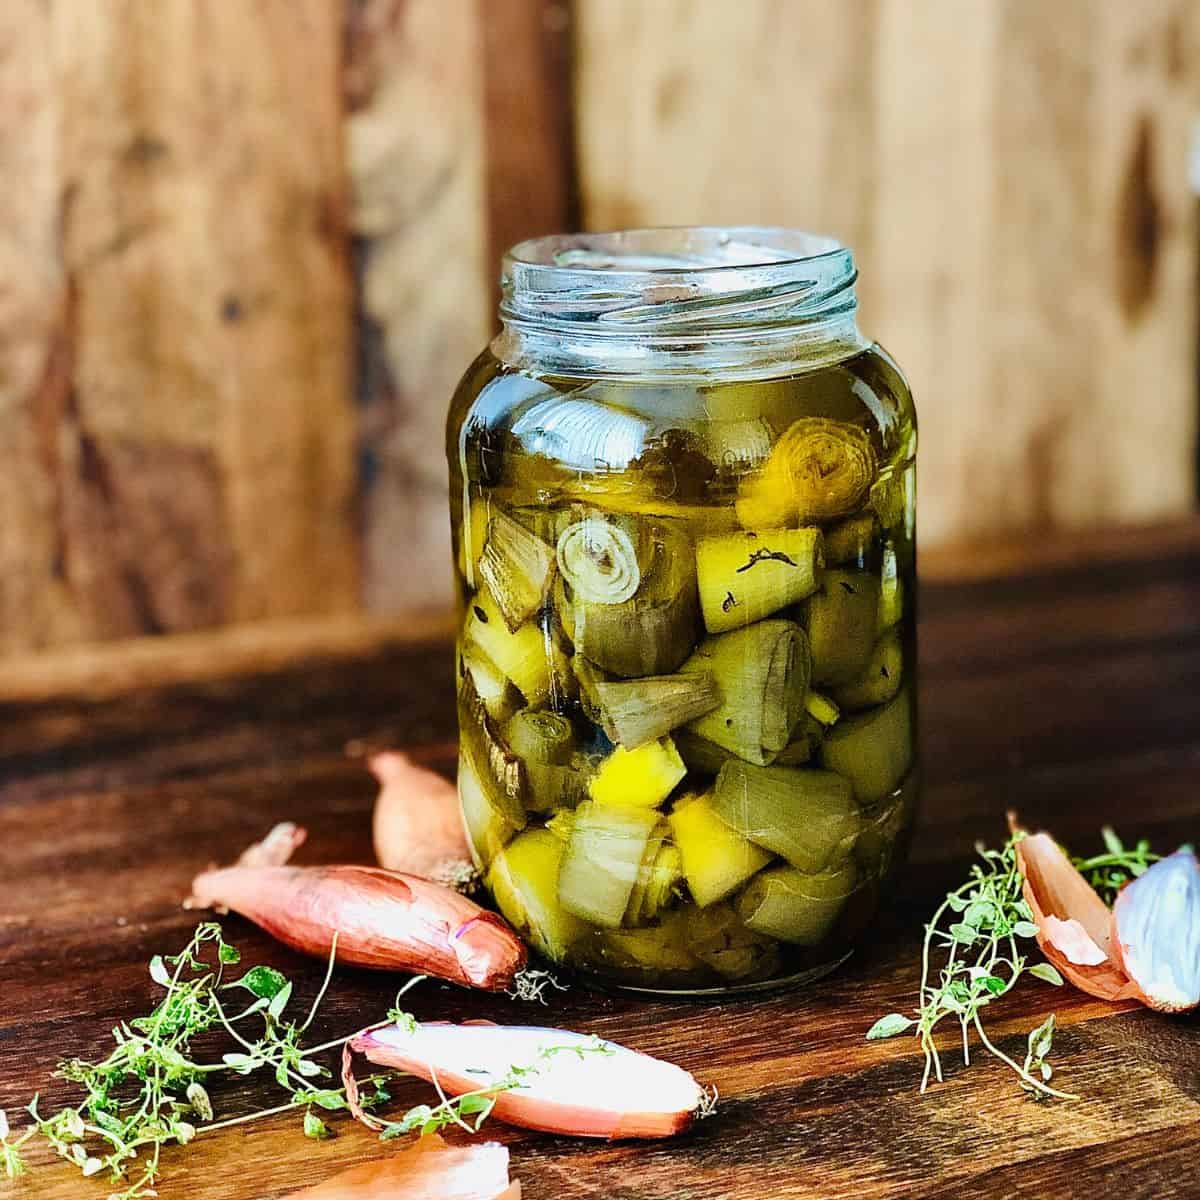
(382, 919)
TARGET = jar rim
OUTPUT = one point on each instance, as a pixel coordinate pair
(697, 249)
(678, 299)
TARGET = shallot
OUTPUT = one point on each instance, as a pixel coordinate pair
(427, 1170)
(546, 1079)
(418, 826)
(1156, 933)
(380, 919)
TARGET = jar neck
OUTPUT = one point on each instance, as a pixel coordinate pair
(670, 303)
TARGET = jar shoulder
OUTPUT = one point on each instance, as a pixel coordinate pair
(610, 419)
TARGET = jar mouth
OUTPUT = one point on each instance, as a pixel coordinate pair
(678, 298)
(674, 249)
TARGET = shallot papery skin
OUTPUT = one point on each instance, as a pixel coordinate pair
(1053, 888)
(382, 919)
(577, 1085)
(417, 824)
(1156, 932)
(429, 1169)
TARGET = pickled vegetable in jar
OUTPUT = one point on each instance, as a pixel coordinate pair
(682, 502)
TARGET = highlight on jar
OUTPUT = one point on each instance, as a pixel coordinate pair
(686, 664)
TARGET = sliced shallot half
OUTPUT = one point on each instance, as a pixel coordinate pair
(1073, 922)
(381, 919)
(418, 825)
(569, 1083)
(429, 1169)
(1156, 932)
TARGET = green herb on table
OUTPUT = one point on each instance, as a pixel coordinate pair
(151, 1091)
(1109, 872)
(982, 928)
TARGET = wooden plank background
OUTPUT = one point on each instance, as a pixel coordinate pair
(247, 249)
(175, 433)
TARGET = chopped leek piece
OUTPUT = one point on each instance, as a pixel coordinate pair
(821, 708)
(762, 673)
(880, 681)
(641, 778)
(537, 736)
(841, 625)
(819, 469)
(891, 591)
(851, 540)
(516, 568)
(739, 445)
(797, 906)
(889, 498)
(716, 859)
(699, 754)
(744, 577)
(523, 879)
(544, 742)
(472, 538)
(523, 655)
(637, 897)
(492, 783)
(653, 631)
(491, 685)
(598, 561)
(806, 815)
(803, 744)
(718, 939)
(489, 823)
(635, 711)
(654, 949)
(666, 875)
(601, 861)
(873, 750)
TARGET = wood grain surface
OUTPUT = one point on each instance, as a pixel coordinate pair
(1011, 176)
(175, 319)
(1071, 691)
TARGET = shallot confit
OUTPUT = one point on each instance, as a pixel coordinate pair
(375, 918)
(427, 1170)
(1146, 949)
(551, 1080)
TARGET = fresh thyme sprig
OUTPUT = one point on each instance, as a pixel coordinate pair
(979, 925)
(150, 1092)
(1109, 872)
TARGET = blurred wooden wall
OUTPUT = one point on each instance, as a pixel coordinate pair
(246, 249)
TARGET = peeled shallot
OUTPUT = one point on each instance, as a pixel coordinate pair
(546, 1079)
(381, 919)
(429, 1169)
(1156, 933)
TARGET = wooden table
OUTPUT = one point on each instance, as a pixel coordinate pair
(1070, 689)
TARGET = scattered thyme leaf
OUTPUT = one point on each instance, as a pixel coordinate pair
(889, 1027)
(1046, 973)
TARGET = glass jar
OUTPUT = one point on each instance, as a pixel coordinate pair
(683, 515)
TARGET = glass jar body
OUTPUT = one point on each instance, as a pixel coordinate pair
(686, 665)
